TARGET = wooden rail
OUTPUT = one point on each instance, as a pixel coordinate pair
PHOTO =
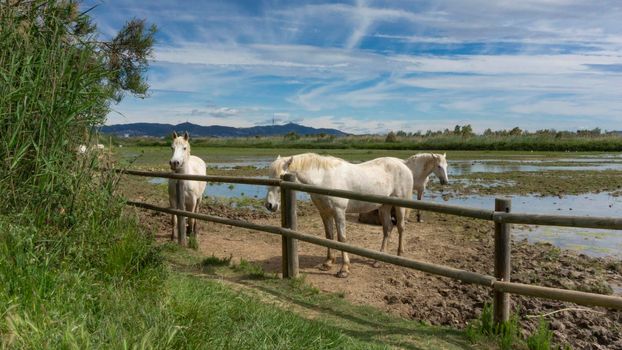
(501, 216)
(477, 213)
(440, 270)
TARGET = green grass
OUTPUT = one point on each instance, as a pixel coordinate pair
(560, 142)
(217, 317)
(370, 327)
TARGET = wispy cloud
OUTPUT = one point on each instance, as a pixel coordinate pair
(371, 66)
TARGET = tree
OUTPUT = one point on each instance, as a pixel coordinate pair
(401, 133)
(391, 137)
(126, 57)
(488, 132)
(457, 130)
(292, 136)
(516, 131)
(467, 131)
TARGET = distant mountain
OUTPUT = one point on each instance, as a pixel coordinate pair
(159, 130)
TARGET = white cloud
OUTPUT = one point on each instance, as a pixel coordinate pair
(532, 58)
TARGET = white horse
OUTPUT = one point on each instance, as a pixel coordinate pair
(383, 176)
(422, 165)
(183, 163)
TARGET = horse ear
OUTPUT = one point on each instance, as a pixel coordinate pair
(278, 157)
(174, 135)
(444, 155)
(186, 136)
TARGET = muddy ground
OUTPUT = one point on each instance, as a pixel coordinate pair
(452, 241)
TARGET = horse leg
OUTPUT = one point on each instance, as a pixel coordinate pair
(400, 216)
(340, 222)
(387, 227)
(196, 210)
(172, 204)
(191, 221)
(174, 224)
(328, 230)
(419, 196)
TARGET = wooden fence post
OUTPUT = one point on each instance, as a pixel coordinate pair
(181, 220)
(289, 220)
(502, 261)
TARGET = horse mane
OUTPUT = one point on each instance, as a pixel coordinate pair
(422, 156)
(305, 161)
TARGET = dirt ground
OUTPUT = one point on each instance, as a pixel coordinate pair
(452, 241)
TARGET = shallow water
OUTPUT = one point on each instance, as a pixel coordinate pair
(593, 242)
(226, 190)
(462, 167)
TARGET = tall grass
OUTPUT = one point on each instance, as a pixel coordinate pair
(51, 95)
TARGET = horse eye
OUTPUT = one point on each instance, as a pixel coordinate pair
(184, 148)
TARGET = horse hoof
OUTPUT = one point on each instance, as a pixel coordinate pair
(376, 264)
(325, 267)
(342, 274)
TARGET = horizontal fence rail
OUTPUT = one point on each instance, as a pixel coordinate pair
(210, 178)
(404, 203)
(559, 220)
(582, 298)
(501, 216)
(462, 275)
(577, 297)
(477, 213)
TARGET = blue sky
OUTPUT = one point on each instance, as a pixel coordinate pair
(374, 66)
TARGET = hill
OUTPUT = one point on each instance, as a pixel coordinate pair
(159, 130)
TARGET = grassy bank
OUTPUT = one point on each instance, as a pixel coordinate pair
(526, 142)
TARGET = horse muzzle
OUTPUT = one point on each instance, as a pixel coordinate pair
(174, 164)
(272, 207)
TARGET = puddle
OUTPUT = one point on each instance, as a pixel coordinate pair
(226, 190)
(257, 164)
(592, 242)
(463, 167)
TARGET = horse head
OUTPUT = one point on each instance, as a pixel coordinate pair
(278, 168)
(440, 167)
(181, 151)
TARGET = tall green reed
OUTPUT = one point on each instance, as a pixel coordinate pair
(51, 97)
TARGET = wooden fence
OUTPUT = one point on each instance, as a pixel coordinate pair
(501, 216)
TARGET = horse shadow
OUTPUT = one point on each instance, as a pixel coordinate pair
(310, 263)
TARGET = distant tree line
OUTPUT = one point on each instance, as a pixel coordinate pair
(466, 131)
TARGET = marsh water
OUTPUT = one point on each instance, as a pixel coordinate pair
(592, 242)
